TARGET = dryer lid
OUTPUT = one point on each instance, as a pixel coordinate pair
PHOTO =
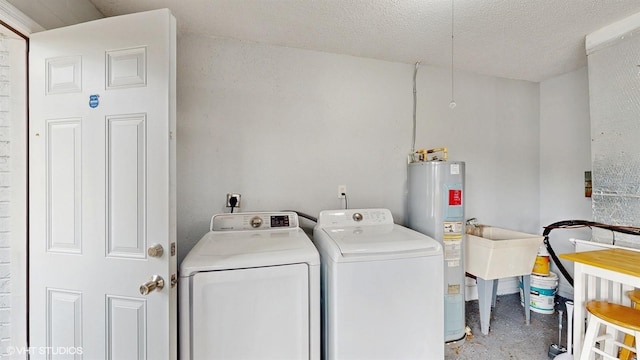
(226, 250)
(381, 239)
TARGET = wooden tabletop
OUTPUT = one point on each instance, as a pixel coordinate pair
(620, 260)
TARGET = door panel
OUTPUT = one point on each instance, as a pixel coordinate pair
(126, 317)
(64, 318)
(126, 186)
(63, 75)
(102, 188)
(63, 176)
(126, 68)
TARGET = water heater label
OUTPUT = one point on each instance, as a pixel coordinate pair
(455, 169)
(455, 197)
(452, 250)
(452, 230)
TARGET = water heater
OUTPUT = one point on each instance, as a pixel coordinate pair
(436, 208)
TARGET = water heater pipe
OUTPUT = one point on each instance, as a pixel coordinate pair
(415, 100)
(424, 152)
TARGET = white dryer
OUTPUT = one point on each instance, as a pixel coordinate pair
(382, 295)
(250, 289)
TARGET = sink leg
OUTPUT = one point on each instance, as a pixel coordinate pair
(485, 294)
(526, 289)
(494, 295)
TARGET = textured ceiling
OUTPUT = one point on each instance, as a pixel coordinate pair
(518, 39)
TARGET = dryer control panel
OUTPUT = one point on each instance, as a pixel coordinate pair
(254, 221)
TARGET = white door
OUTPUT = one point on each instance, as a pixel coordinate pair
(102, 189)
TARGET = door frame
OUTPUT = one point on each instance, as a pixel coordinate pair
(23, 27)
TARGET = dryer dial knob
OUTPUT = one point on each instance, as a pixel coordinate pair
(256, 222)
(357, 217)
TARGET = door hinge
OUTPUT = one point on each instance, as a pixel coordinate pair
(173, 249)
(174, 280)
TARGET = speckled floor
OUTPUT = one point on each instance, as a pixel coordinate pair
(509, 337)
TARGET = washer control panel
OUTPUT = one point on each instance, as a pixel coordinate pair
(254, 221)
(355, 217)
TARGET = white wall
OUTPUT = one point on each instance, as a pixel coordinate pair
(13, 136)
(5, 194)
(12, 191)
(18, 210)
(494, 129)
(284, 127)
(565, 154)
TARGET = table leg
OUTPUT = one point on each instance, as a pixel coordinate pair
(485, 293)
(578, 309)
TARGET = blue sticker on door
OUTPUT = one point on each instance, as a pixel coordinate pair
(94, 101)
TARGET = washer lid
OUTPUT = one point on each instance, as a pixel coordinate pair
(225, 250)
(381, 239)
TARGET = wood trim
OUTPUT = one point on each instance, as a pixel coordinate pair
(17, 21)
(612, 33)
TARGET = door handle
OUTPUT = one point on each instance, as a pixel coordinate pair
(155, 283)
(155, 250)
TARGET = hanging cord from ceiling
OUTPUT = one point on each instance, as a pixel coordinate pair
(452, 104)
(415, 100)
(575, 224)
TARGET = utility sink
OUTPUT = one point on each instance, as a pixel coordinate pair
(494, 253)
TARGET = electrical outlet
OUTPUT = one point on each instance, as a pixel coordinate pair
(232, 195)
(342, 189)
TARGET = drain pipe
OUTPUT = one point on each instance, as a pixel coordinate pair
(569, 354)
(569, 305)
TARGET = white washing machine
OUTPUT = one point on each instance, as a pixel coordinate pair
(250, 289)
(382, 295)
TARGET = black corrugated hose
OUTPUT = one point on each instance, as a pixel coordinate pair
(574, 224)
(303, 215)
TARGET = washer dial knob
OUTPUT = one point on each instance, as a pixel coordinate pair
(256, 222)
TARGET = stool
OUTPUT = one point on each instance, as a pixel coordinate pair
(612, 316)
(628, 339)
